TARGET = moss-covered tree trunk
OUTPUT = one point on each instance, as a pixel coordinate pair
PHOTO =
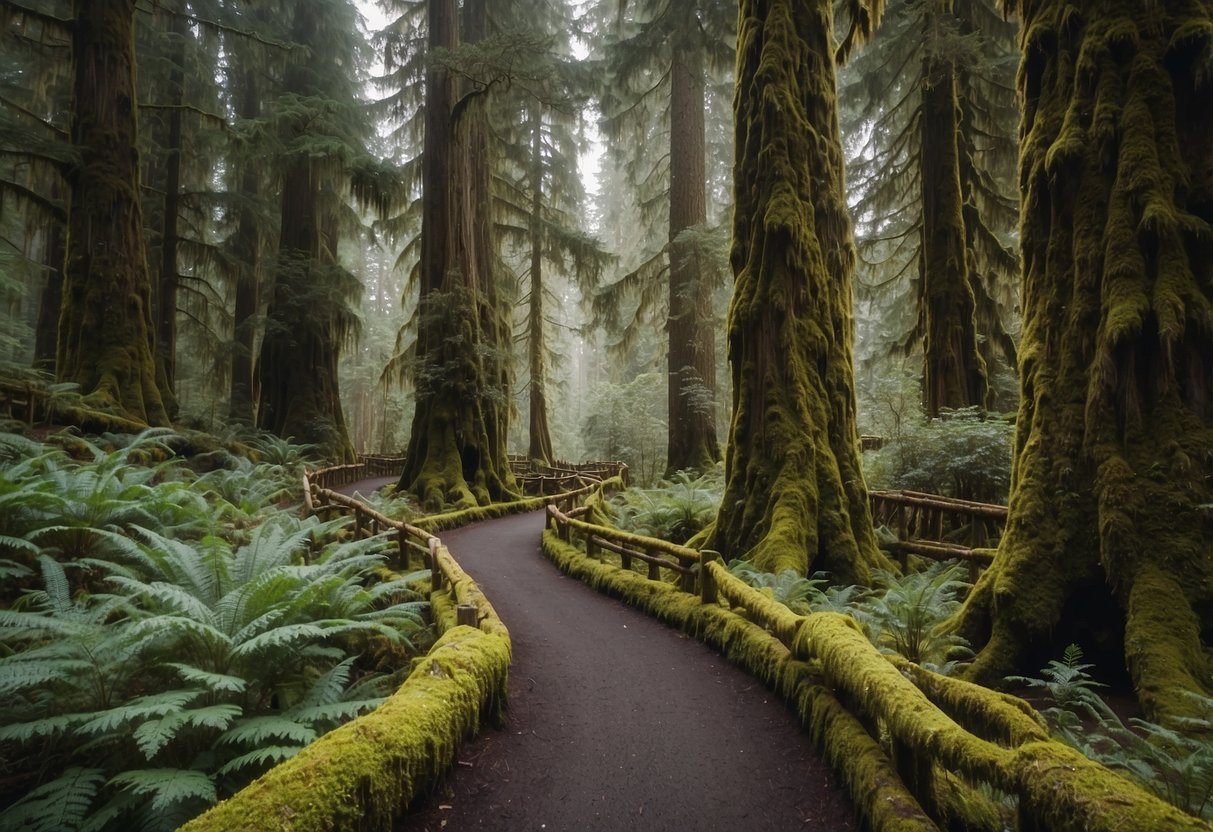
(457, 452)
(105, 324)
(305, 320)
(692, 349)
(539, 434)
(794, 495)
(1110, 538)
(954, 372)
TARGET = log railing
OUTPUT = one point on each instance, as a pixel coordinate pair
(935, 732)
(934, 527)
(23, 401)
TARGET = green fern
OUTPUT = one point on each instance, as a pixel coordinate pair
(57, 806)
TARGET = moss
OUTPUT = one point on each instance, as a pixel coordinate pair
(794, 492)
(360, 776)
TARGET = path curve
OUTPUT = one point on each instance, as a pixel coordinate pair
(617, 722)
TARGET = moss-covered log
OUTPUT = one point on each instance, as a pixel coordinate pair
(954, 372)
(105, 322)
(457, 451)
(691, 388)
(795, 496)
(1109, 535)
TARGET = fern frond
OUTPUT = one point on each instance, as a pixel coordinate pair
(279, 638)
(155, 705)
(261, 758)
(167, 786)
(58, 805)
(256, 730)
(218, 682)
(153, 735)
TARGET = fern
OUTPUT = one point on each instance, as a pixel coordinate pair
(216, 682)
(57, 806)
(256, 730)
(154, 735)
(167, 786)
(259, 758)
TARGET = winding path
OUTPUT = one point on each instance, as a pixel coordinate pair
(617, 722)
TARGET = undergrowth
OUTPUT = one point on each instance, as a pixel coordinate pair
(1173, 761)
(166, 635)
(675, 510)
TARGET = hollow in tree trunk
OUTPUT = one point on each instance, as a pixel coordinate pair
(794, 495)
(1109, 535)
(105, 324)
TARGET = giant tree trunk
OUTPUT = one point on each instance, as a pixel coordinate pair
(794, 494)
(105, 324)
(305, 323)
(954, 373)
(1109, 536)
(539, 433)
(50, 299)
(692, 349)
(457, 453)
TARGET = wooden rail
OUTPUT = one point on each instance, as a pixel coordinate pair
(931, 526)
(23, 400)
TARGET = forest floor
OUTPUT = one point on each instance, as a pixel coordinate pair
(617, 722)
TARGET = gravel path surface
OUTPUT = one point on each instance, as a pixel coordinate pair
(617, 722)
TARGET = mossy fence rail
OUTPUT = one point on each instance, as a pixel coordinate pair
(917, 751)
(940, 528)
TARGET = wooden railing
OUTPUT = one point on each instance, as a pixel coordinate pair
(936, 734)
(933, 526)
(23, 400)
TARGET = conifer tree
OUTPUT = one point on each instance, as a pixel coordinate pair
(794, 493)
(1109, 533)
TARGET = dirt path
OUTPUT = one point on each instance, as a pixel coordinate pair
(365, 486)
(617, 722)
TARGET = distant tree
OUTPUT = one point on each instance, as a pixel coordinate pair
(1109, 532)
(933, 147)
(794, 493)
(676, 43)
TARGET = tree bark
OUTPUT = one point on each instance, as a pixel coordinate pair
(300, 396)
(50, 301)
(692, 348)
(1109, 528)
(540, 436)
(105, 325)
(247, 247)
(794, 494)
(457, 453)
(954, 372)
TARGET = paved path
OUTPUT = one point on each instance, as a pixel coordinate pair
(617, 722)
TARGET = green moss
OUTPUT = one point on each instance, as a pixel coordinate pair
(360, 776)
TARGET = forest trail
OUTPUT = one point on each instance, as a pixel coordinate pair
(617, 722)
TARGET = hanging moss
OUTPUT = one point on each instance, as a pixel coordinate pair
(1107, 530)
(794, 494)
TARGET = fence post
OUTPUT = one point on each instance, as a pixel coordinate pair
(654, 569)
(435, 569)
(465, 615)
(402, 545)
(359, 520)
(707, 584)
(591, 548)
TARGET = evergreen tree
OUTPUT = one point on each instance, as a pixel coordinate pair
(105, 325)
(457, 451)
(1109, 530)
(677, 42)
(932, 153)
(794, 493)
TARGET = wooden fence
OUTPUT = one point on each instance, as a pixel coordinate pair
(938, 527)
(24, 401)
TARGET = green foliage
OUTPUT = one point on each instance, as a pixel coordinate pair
(965, 455)
(903, 614)
(627, 422)
(1174, 761)
(676, 510)
(182, 636)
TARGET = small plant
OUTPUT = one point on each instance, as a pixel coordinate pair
(674, 511)
(1175, 761)
(799, 594)
(908, 615)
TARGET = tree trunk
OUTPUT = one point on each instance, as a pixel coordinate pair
(794, 494)
(166, 297)
(457, 453)
(305, 324)
(105, 325)
(46, 330)
(954, 373)
(692, 349)
(247, 251)
(1109, 532)
(540, 444)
